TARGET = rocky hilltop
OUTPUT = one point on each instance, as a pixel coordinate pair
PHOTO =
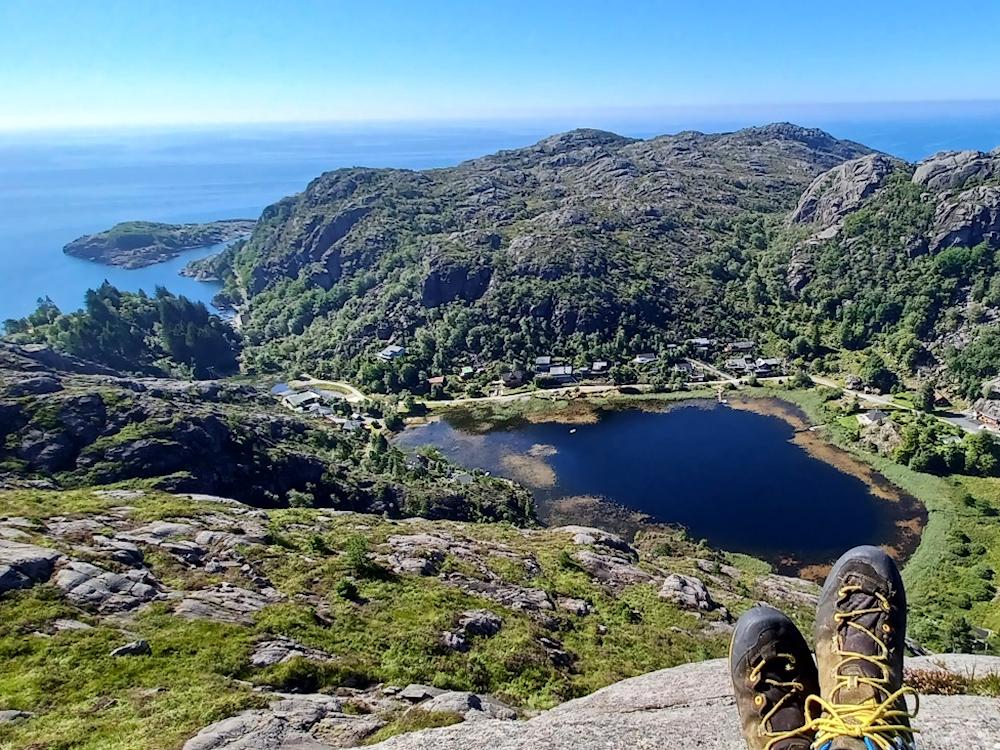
(584, 234)
(136, 244)
(593, 245)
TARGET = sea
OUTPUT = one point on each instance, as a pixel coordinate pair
(56, 186)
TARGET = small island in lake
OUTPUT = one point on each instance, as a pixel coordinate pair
(137, 244)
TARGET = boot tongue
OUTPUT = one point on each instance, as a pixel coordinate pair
(856, 641)
(787, 718)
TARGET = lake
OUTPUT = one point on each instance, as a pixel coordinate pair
(739, 479)
(55, 187)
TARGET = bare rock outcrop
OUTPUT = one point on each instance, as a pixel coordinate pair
(836, 193)
(967, 218)
(690, 706)
(954, 169)
(23, 565)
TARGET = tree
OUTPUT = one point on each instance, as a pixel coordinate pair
(875, 374)
(925, 396)
(981, 454)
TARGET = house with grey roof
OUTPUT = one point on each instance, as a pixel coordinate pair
(391, 352)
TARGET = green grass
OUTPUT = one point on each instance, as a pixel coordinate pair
(413, 721)
(88, 700)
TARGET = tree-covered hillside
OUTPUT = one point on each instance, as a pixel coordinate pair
(133, 332)
(587, 242)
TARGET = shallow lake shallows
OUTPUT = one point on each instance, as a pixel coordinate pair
(730, 476)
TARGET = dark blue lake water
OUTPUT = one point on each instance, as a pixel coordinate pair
(730, 476)
(56, 187)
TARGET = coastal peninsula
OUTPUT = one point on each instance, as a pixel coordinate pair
(137, 244)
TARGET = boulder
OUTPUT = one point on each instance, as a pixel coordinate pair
(687, 591)
(589, 536)
(280, 650)
(23, 565)
(35, 386)
(291, 723)
(468, 705)
(455, 641)
(613, 569)
(578, 607)
(135, 648)
(10, 715)
(480, 622)
(417, 692)
(516, 597)
(225, 603)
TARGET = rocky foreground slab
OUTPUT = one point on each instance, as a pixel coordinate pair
(691, 706)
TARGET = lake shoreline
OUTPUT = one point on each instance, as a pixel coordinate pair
(907, 512)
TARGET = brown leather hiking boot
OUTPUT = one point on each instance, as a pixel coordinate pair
(773, 673)
(860, 631)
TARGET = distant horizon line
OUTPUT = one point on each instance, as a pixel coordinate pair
(759, 113)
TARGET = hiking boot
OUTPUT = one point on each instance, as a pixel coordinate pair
(773, 673)
(860, 632)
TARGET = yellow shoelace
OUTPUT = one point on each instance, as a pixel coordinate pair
(792, 687)
(871, 720)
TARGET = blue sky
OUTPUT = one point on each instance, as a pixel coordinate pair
(137, 62)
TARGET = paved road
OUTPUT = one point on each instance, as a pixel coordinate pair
(351, 394)
(719, 374)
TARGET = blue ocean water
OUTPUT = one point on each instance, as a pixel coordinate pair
(55, 187)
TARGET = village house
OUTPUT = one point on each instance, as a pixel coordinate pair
(328, 396)
(702, 345)
(769, 366)
(512, 379)
(741, 347)
(987, 412)
(391, 352)
(742, 364)
(872, 416)
(644, 359)
(542, 364)
(684, 368)
(562, 374)
(280, 389)
(301, 401)
(600, 367)
(436, 380)
(466, 372)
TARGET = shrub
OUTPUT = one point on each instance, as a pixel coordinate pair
(346, 589)
(935, 682)
(299, 499)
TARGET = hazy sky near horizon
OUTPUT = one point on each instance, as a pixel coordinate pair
(65, 63)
